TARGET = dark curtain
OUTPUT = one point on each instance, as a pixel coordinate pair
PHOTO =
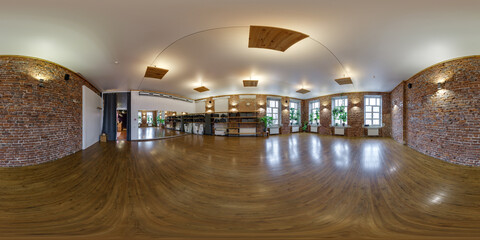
(110, 116)
(129, 117)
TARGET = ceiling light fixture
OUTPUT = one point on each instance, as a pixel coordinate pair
(303, 90)
(154, 72)
(250, 83)
(344, 81)
(273, 38)
(201, 88)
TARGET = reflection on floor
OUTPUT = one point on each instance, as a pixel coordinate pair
(146, 133)
(298, 186)
(122, 135)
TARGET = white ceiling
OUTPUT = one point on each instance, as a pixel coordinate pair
(391, 40)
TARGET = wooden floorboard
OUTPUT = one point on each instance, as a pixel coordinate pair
(298, 186)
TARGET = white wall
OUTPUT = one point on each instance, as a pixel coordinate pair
(91, 117)
(155, 104)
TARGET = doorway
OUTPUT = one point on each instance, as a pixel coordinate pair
(122, 124)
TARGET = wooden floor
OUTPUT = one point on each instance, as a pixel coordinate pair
(299, 186)
(149, 133)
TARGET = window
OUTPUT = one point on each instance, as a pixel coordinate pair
(273, 110)
(295, 118)
(149, 118)
(314, 112)
(139, 118)
(373, 110)
(339, 111)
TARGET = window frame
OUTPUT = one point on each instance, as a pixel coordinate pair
(278, 113)
(334, 105)
(365, 112)
(311, 108)
(298, 109)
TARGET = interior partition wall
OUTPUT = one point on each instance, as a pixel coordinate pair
(109, 116)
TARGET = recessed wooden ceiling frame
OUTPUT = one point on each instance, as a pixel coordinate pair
(273, 38)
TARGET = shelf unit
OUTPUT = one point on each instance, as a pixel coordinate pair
(243, 123)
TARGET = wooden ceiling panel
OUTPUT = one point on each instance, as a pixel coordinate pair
(279, 39)
(250, 83)
(154, 72)
(201, 89)
(303, 91)
(344, 81)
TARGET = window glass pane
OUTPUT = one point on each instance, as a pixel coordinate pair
(378, 101)
(275, 110)
(368, 122)
(376, 109)
(368, 109)
(376, 122)
(269, 110)
(376, 115)
(368, 115)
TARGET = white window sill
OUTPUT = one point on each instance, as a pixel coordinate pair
(374, 127)
(340, 126)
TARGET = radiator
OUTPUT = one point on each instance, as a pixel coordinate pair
(274, 130)
(339, 131)
(373, 132)
(313, 128)
(295, 129)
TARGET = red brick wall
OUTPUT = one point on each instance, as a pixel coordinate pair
(38, 124)
(445, 123)
(397, 96)
(355, 113)
(285, 103)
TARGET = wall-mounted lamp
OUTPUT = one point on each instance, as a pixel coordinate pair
(439, 86)
(41, 82)
(409, 85)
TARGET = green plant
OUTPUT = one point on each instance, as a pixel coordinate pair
(292, 115)
(311, 118)
(267, 121)
(339, 113)
(305, 126)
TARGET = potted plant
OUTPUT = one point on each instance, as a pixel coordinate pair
(292, 115)
(317, 117)
(162, 123)
(305, 126)
(339, 113)
(267, 121)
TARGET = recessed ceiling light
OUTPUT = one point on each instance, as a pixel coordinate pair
(116, 62)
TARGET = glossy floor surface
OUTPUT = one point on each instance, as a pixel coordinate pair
(148, 133)
(299, 186)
